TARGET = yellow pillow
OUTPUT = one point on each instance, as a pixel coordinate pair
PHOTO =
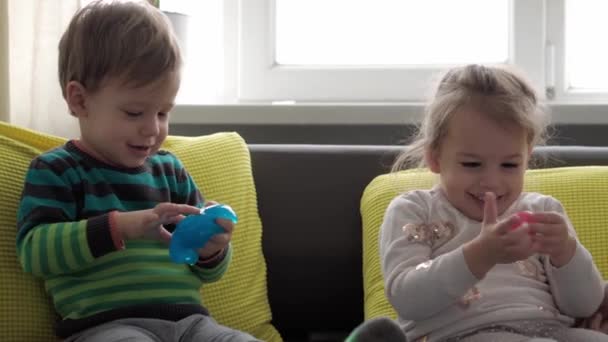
(582, 190)
(220, 165)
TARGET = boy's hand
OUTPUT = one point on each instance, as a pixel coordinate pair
(551, 236)
(497, 243)
(219, 241)
(148, 224)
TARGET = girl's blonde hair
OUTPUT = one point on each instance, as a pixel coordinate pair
(499, 92)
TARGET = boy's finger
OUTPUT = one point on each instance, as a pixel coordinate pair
(176, 219)
(164, 235)
(188, 209)
(489, 208)
(226, 224)
(209, 203)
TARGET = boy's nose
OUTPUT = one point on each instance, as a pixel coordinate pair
(151, 127)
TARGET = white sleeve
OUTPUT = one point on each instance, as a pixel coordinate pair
(577, 287)
(417, 286)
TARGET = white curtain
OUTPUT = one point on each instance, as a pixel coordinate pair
(34, 30)
(4, 110)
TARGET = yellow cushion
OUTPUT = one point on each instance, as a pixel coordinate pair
(582, 190)
(220, 165)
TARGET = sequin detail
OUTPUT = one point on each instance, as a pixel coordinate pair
(528, 269)
(431, 234)
(550, 310)
(472, 295)
(530, 329)
(424, 265)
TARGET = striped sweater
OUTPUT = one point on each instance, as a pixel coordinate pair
(64, 237)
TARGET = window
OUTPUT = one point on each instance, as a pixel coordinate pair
(388, 32)
(378, 50)
(385, 51)
(577, 65)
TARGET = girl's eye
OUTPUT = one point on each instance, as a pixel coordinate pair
(471, 164)
(510, 165)
(133, 114)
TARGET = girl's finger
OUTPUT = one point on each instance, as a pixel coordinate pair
(489, 208)
(596, 322)
(547, 217)
(604, 327)
(512, 224)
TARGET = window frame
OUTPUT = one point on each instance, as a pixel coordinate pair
(556, 60)
(262, 80)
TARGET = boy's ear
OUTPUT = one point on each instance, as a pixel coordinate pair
(75, 96)
(431, 159)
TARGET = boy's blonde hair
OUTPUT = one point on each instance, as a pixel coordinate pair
(126, 39)
(499, 92)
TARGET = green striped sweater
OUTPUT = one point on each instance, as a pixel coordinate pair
(64, 237)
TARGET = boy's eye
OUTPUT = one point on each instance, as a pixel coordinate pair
(471, 164)
(134, 114)
(510, 165)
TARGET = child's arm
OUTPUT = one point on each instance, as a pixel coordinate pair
(64, 247)
(577, 285)
(599, 320)
(51, 238)
(416, 285)
(213, 268)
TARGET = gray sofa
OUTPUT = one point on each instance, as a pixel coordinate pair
(308, 199)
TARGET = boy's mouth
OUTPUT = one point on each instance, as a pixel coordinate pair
(141, 148)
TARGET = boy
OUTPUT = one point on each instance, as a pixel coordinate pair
(97, 213)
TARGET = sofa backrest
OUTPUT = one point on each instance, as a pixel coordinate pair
(309, 197)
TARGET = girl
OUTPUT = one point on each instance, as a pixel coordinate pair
(460, 261)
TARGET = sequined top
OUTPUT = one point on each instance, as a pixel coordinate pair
(429, 284)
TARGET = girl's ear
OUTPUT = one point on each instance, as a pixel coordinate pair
(75, 96)
(431, 159)
(530, 150)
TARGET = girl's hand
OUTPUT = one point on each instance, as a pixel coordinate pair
(551, 236)
(219, 241)
(148, 224)
(599, 320)
(497, 243)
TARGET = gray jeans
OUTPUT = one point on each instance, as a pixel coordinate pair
(522, 332)
(194, 328)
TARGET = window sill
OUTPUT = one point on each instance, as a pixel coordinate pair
(352, 114)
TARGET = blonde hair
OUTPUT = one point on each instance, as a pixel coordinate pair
(499, 92)
(126, 39)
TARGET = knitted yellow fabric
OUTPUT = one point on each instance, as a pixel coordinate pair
(582, 190)
(220, 165)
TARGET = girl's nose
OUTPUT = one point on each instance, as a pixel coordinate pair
(489, 179)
